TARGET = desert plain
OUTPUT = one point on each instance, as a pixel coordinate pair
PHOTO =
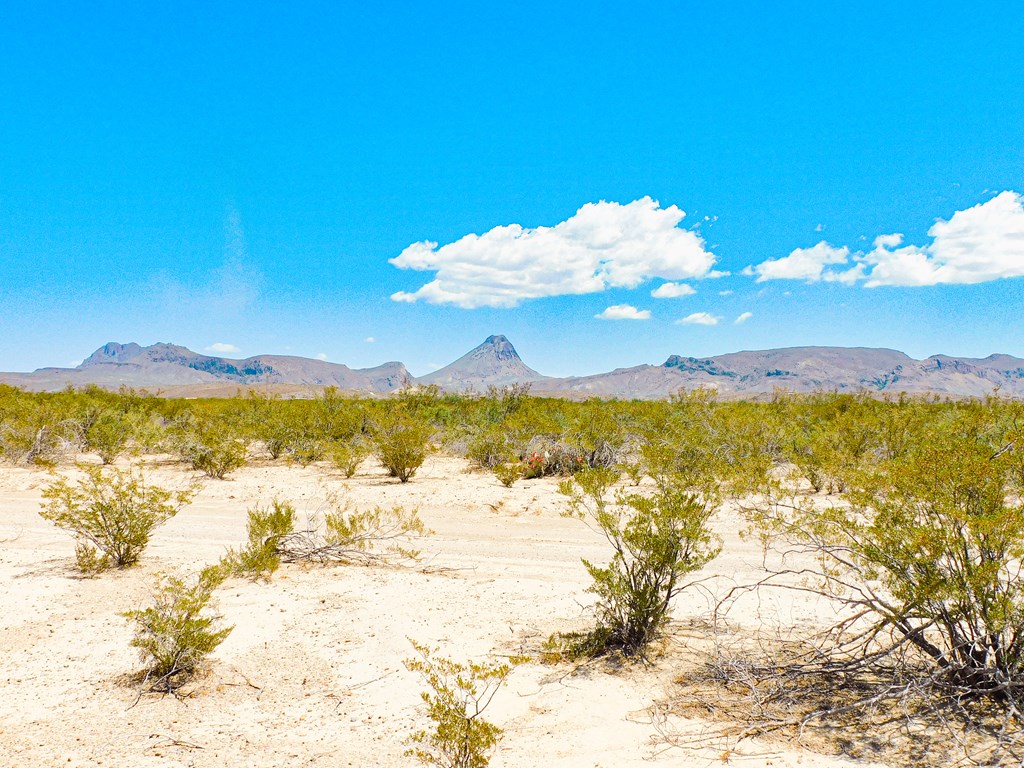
(312, 673)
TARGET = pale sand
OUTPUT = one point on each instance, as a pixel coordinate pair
(312, 674)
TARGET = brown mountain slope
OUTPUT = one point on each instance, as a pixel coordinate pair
(168, 365)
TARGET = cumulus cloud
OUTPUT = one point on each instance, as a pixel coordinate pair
(743, 318)
(321, 356)
(976, 245)
(604, 245)
(699, 318)
(673, 290)
(222, 348)
(802, 264)
(624, 312)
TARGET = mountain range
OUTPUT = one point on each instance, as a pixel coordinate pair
(176, 370)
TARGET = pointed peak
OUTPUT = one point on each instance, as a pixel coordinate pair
(493, 362)
(499, 346)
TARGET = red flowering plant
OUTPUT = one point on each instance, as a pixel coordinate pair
(535, 464)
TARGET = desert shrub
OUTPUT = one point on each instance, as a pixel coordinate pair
(305, 448)
(266, 528)
(348, 455)
(656, 540)
(32, 431)
(457, 697)
(509, 472)
(923, 552)
(114, 512)
(208, 446)
(596, 433)
(545, 457)
(177, 632)
(401, 441)
(339, 534)
(489, 448)
(110, 432)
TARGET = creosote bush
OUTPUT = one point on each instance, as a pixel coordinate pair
(924, 550)
(209, 447)
(655, 541)
(112, 514)
(459, 694)
(266, 528)
(336, 534)
(401, 440)
(177, 632)
(348, 455)
(509, 472)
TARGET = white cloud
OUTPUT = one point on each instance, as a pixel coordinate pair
(673, 290)
(222, 348)
(802, 264)
(624, 312)
(699, 318)
(321, 356)
(604, 245)
(725, 293)
(370, 340)
(976, 245)
(888, 241)
(743, 318)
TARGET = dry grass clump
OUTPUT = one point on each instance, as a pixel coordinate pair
(796, 690)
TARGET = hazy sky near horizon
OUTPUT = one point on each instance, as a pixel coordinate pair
(605, 184)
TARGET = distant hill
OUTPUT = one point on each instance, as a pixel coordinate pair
(179, 371)
(168, 365)
(493, 363)
(806, 369)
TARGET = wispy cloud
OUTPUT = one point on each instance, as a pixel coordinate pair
(624, 312)
(743, 318)
(976, 245)
(699, 318)
(604, 245)
(321, 356)
(370, 340)
(227, 291)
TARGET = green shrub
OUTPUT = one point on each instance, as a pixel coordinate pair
(179, 630)
(401, 441)
(266, 529)
(926, 545)
(114, 512)
(656, 540)
(459, 694)
(508, 473)
(109, 433)
(348, 455)
(31, 436)
(372, 536)
(489, 448)
(208, 447)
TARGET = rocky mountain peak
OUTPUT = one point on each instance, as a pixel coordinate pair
(112, 352)
(495, 362)
(500, 347)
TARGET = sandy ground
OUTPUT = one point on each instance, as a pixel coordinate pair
(312, 674)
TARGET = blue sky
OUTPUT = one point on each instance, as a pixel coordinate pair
(260, 179)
